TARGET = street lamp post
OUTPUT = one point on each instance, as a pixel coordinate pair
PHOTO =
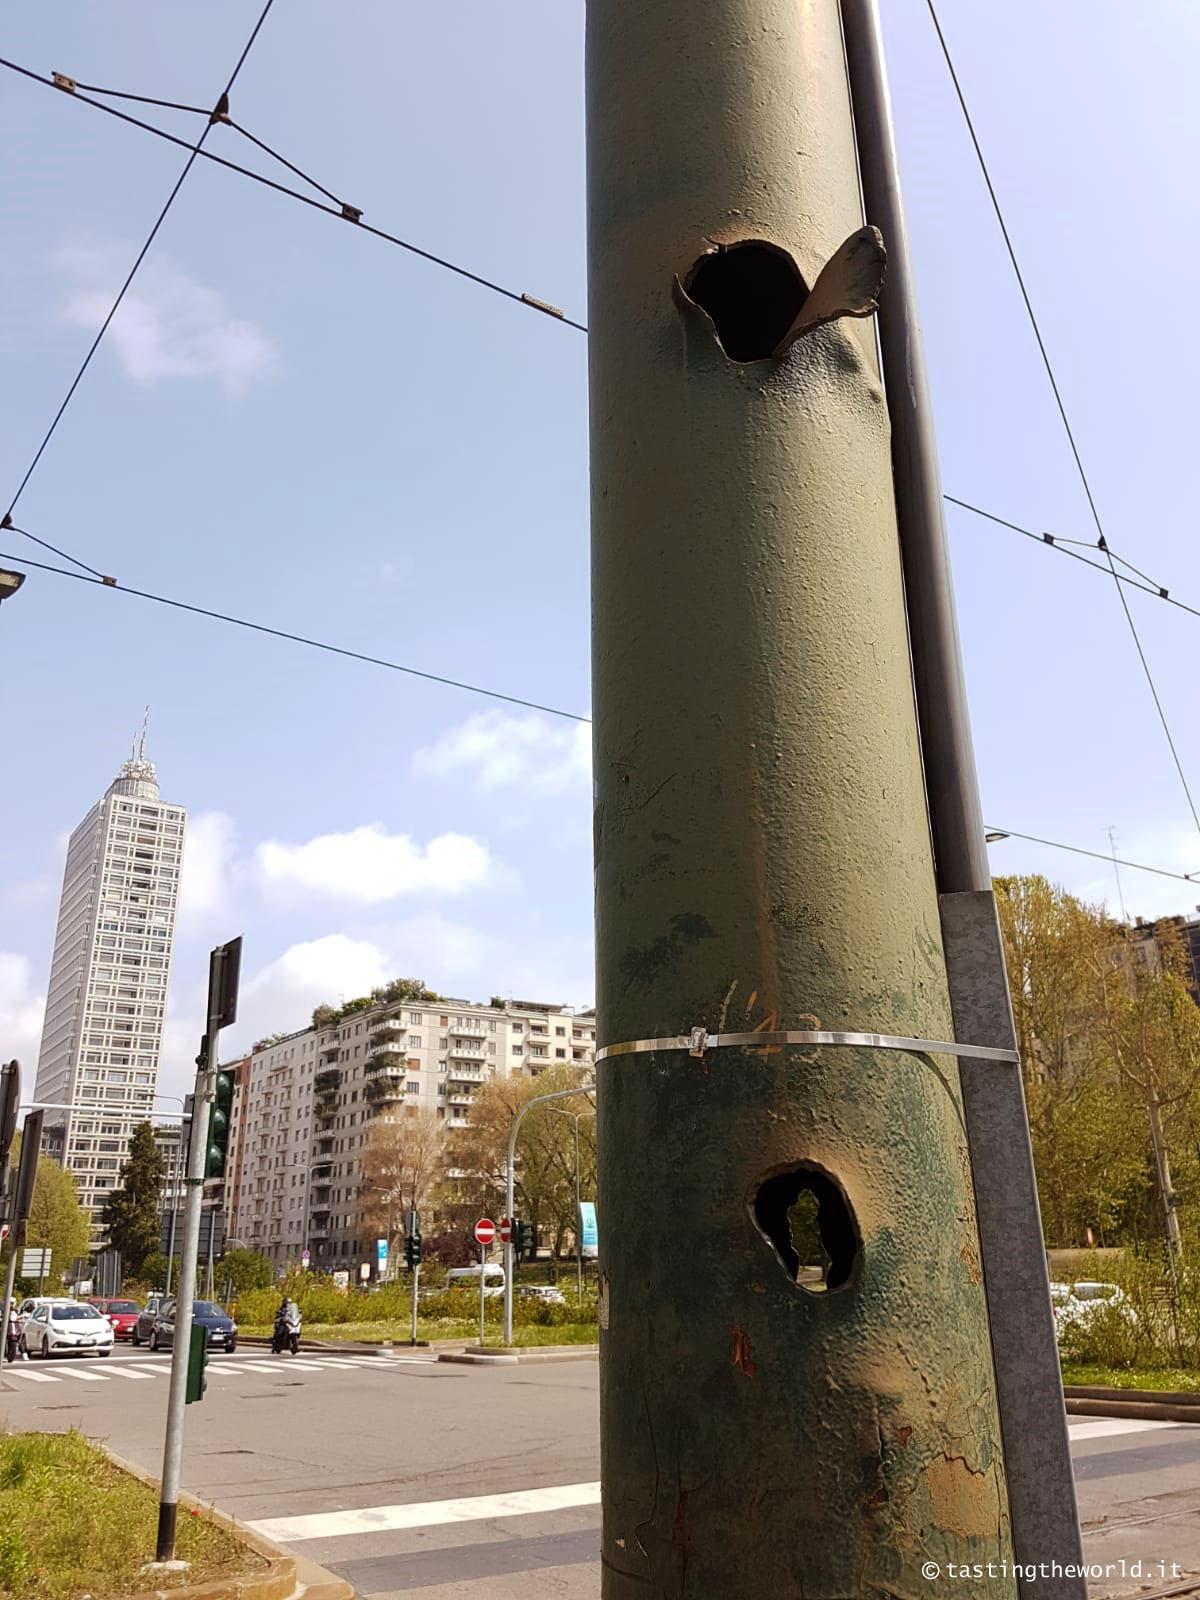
(575, 1116)
(510, 1190)
(10, 582)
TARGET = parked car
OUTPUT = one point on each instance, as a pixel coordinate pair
(68, 1327)
(145, 1319)
(545, 1292)
(122, 1314)
(1075, 1311)
(222, 1329)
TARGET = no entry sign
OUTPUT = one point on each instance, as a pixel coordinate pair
(505, 1229)
(485, 1230)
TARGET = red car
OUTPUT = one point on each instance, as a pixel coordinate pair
(123, 1315)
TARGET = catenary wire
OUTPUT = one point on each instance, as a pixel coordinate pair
(1062, 410)
(495, 694)
(294, 638)
(1057, 541)
(338, 209)
(141, 256)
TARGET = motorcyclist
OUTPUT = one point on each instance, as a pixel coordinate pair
(287, 1324)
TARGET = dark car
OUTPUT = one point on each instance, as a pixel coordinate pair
(144, 1325)
(122, 1314)
(222, 1329)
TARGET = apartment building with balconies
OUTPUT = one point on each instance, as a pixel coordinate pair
(358, 1065)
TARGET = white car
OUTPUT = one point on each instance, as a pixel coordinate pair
(68, 1327)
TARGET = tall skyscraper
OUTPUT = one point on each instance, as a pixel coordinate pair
(108, 979)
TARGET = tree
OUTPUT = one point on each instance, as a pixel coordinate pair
(545, 1157)
(130, 1213)
(404, 1160)
(1088, 1146)
(1152, 1030)
(245, 1270)
(56, 1219)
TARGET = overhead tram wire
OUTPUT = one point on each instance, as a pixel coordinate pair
(1056, 541)
(294, 638)
(339, 209)
(492, 694)
(1102, 542)
(194, 151)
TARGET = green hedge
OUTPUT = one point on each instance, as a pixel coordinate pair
(319, 1302)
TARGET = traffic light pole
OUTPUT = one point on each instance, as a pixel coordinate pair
(222, 1009)
(763, 861)
(168, 1509)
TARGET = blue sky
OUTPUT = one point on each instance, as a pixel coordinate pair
(299, 424)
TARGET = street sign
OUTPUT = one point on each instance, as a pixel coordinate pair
(485, 1230)
(212, 1233)
(505, 1229)
(364, 1270)
(35, 1263)
(589, 1236)
(341, 1280)
(305, 1258)
(5, 1230)
(381, 1252)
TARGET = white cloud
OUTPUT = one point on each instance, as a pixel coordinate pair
(21, 1012)
(206, 879)
(168, 325)
(503, 750)
(370, 865)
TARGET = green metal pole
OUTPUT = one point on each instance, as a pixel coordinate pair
(763, 858)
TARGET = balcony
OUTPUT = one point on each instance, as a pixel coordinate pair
(384, 1088)
(467, 1050)
(458, 1122)
(390, 1059)
(329, 1052)
(319, 1226)
(325, 1081)
(392, 1031)
(467, 1074)
(321, 1170)
(458, 1098)
(468, 1030)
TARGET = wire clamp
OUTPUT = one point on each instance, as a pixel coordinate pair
(61, 81)
(351, 213)
(699, 1042)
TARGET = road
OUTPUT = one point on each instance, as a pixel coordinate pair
(414, 1479)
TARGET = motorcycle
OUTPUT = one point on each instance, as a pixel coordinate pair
(287, 1333)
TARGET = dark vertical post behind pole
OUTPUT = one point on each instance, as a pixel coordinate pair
(1025, 1352)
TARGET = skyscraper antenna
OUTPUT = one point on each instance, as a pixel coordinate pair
(145, 727)
(1112, 843)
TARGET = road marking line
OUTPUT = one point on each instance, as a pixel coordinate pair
(337, 1361)
(85, 1377)
(1104, 1427)
(124, 1371)
(431, 1514)
(21, 1371)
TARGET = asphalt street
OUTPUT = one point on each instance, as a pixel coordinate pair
(414, 1478)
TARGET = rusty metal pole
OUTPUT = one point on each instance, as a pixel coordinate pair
(763, 858)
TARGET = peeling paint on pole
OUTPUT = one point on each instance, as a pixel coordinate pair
(762, 855)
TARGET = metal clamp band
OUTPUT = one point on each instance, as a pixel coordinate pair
(700, 1041)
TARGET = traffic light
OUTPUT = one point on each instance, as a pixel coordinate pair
(412, 1250)
(218, 1126)
(197, 1383)
(523, 1237)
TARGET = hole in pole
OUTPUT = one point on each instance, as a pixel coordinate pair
(753, 292)
(808, 1219)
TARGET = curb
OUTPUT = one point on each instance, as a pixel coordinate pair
(355, 1347)
(1141, 1410)
(288, 1576)
(518, 1355)
(1158, 1397)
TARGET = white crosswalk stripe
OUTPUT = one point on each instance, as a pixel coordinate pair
(256, 1365)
